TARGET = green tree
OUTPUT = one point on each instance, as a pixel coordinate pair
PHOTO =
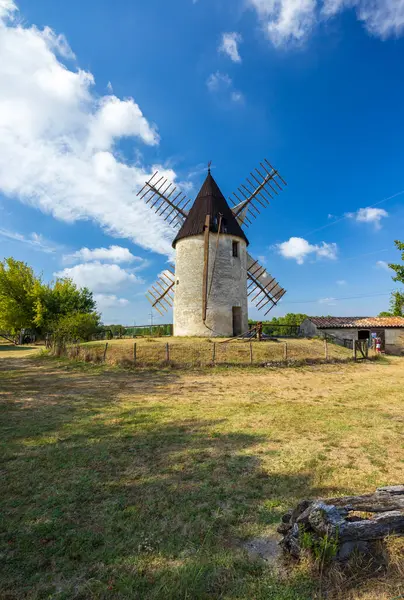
(18, 286)
(399, 268)
(397, 297)
(77, 326)
(289, 324)
(117, 330)
(27, 303)
(54, 301)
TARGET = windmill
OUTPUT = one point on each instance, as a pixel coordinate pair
(214, 275)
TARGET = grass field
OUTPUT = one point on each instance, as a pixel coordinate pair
(194, 351)
(146, 484)
(9, 350)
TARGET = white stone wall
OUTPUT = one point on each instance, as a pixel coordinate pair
(395, 341)
(229, 286)
(341, 333)
(394, 337)
(308, 329)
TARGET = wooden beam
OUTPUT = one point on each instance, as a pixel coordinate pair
(205, 268)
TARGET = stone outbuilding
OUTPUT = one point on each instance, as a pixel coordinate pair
(346, 329)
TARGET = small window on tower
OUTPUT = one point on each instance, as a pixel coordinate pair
(235, 249)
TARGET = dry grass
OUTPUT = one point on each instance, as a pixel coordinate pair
(202, 351)
(144, 484)
(8, 350)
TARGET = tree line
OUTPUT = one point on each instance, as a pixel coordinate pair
(60, 308)
(281, 326)
(29, 305)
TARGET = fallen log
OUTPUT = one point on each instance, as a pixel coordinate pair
(335, 520)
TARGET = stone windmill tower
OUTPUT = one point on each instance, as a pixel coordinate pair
(214, 274)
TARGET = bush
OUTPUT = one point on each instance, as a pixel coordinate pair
(77, 326)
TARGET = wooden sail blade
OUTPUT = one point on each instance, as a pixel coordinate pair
(165, 199)
(256, 193)
(264, 291)
(161, 293)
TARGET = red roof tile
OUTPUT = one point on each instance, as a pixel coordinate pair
(346, 322)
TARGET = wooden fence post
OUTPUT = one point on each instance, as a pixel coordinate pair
(286, 351)
(214, 353)
(167, 352)
(354, 349)
(251, 354)
(326, 348)
(134, 353)
(105, 352)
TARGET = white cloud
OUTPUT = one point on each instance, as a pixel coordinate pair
(369, 215)
(299, 249)
(105, 301)
(35, 240)
(341, 282)
(381, 264)
(58, 139)
(382, 18)
(287, 21)
(327, 301)
(229, 46)
(7, 8)
(115, 254)
(57, 43)
(237, 97)
(222, 84)
(217, 81)
(116, 119)
(98, 277)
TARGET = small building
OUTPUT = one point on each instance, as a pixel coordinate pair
(390, 330)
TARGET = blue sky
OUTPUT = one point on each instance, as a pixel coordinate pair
(95, 95)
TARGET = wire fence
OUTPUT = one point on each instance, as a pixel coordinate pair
(205, 353)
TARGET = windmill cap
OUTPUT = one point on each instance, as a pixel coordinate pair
(210, 201)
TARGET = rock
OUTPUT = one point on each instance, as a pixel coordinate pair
(348, 548)
(300, 508)
(266, 548)
(325, 519)
(287, 516)
(284, 528)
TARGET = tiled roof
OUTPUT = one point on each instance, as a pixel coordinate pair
(346, 322)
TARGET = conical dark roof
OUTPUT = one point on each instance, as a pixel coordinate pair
(210, 201)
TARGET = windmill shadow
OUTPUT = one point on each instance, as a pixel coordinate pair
(158, 505)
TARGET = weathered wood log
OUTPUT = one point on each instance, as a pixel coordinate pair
(392, 489)
(332, 518)
(388, 523)
(377, 502)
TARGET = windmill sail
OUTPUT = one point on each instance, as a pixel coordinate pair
(161, 293)
(165, 199)
(264, 290)
(262, 185)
